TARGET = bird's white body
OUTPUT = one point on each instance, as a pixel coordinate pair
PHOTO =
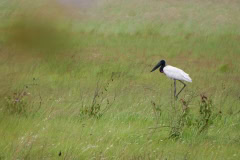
(176, 73)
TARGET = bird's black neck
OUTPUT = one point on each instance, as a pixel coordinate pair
(161, 68)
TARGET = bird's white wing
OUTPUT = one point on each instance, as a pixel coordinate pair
(176, 73)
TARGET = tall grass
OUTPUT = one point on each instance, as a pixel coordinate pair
(50, 96)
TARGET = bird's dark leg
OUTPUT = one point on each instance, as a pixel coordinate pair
(184, 85)
(175, 90)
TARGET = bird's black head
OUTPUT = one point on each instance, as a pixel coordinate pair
(162, 63)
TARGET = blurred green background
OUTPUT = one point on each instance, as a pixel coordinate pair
(76, 84)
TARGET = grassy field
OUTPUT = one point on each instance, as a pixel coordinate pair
(76, 83)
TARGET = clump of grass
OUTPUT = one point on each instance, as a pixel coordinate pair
(16, 103)
(224, 68)
(157, 110)
(22, 102)
(207, 113)
(100, 102)
(186, 119)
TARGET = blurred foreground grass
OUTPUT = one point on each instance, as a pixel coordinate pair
(56, 59)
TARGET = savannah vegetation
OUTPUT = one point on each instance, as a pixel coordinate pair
(76, 84)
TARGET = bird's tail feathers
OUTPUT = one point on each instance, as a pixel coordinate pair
(186, 77)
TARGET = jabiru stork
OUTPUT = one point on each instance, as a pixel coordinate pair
(173, 73)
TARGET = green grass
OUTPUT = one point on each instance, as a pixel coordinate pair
(118, 40)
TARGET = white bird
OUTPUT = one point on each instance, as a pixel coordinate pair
(173, 73)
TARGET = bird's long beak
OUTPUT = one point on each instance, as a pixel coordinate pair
(156, 67)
